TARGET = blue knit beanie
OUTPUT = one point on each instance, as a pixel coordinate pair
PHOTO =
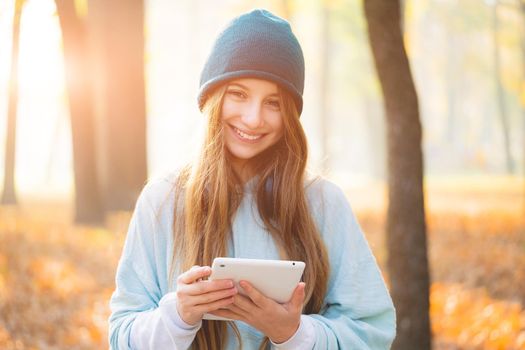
(257, 44)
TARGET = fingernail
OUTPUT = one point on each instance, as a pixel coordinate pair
(244, 284)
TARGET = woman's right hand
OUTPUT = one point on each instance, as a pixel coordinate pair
(195, 296)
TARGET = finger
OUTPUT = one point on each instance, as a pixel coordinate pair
(297, 299)
(213, 296)
(196, 267)
(204, 308)
(257, 297)
(194, 274)
(245, 304)
(203, 287)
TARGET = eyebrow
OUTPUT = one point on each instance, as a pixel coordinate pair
(246, 88)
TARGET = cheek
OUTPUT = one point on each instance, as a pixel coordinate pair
(278, 126)
(224, 114)
(228, 110)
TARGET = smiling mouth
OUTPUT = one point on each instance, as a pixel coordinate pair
(246, 136)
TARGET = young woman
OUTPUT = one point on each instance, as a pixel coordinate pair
(247, 196)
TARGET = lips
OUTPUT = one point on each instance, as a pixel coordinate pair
(246, 136)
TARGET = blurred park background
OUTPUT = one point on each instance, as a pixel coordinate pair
(107, 91)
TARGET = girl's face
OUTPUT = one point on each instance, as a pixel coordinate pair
(252, 118)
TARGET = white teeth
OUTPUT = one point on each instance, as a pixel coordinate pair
(246, 136)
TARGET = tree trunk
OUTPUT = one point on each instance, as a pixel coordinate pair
(118, 48)
(375, 137)
(406, 227)
(88, 209)
(500, 93)
(9, 193)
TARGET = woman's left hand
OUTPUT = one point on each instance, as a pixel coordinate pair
(279, 322)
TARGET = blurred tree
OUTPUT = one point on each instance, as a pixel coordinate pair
(454, 82)
(117, 44)
(352, 84)
(9, 192)
(504, 119)
(88, 209)
(286, 10)
(406, 227)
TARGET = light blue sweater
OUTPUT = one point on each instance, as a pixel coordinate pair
(358, 312)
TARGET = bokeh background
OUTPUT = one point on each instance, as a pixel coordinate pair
(467, 59)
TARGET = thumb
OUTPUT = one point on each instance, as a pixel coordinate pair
(298, 296)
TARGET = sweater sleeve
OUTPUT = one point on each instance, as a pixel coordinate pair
(143, 313)
(358, 311)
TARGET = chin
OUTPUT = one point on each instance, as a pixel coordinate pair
(244, 155)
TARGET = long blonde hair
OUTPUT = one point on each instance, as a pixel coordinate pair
(209, 193)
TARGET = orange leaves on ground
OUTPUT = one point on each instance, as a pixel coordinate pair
(58, 276)
(501, 223)
(4, 336)
(55, 280)
(473, 320)
(89, 324)
(3, 277)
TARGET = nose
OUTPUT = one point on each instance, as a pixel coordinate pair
(252, 116)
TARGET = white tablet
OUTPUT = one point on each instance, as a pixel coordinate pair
(276, 279)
